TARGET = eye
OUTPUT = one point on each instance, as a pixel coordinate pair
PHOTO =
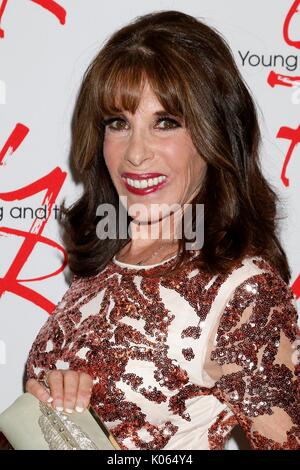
(172, 123)
(108, 123)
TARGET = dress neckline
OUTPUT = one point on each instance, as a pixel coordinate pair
(141, 266)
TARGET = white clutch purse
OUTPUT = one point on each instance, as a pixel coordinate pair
(29, 424)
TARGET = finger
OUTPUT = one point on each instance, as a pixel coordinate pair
(55, 381)
(71, 382)
(84, 391)
(38, 390)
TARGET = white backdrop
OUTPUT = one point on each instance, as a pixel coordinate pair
(45, 47)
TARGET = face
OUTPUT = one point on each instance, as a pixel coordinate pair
(151, 159)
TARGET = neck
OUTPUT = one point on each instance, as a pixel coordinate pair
(163, 231)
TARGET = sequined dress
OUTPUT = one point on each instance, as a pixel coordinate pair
(178, 362)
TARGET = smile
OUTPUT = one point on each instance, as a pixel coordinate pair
(140, 185)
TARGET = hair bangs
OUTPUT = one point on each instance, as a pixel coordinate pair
(125, 81)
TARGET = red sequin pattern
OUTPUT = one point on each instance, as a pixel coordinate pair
(143, 340)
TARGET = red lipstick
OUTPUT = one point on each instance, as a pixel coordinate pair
(141, 176)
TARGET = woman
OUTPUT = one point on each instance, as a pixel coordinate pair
(172, 346)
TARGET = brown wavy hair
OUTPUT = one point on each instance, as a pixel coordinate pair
(191, 70)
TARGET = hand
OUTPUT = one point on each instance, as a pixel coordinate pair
(69, 389)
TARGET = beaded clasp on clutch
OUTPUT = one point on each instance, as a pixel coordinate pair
(61, 433)
(31, 424)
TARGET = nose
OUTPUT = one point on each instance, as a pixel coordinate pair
(139, 149)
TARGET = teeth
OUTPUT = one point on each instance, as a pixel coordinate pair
(146, 183)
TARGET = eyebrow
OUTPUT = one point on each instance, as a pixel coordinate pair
(156, 113)
(160, 113)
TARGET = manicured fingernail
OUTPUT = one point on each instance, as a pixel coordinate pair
(79, 409)
(58, 405)
(50, 399)
(68, 410)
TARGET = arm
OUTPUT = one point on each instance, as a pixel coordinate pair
(48, 346)
(69, 388)
(254, 358)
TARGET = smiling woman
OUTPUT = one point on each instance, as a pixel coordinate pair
(173, 347)
(207, 146)
(147, 159)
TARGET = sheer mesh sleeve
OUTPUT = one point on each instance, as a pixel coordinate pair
(47, 347)
(254, 359)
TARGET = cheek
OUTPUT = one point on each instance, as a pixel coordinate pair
(182, 161)
(175, 156)
(110, 155)
(189, 166)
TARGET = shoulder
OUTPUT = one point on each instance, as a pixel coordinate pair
(256, 294)
(255, 278)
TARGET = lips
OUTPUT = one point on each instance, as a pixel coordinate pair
(142, 176)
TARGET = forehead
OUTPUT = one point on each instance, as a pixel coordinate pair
(143, 90)
(148, 101)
